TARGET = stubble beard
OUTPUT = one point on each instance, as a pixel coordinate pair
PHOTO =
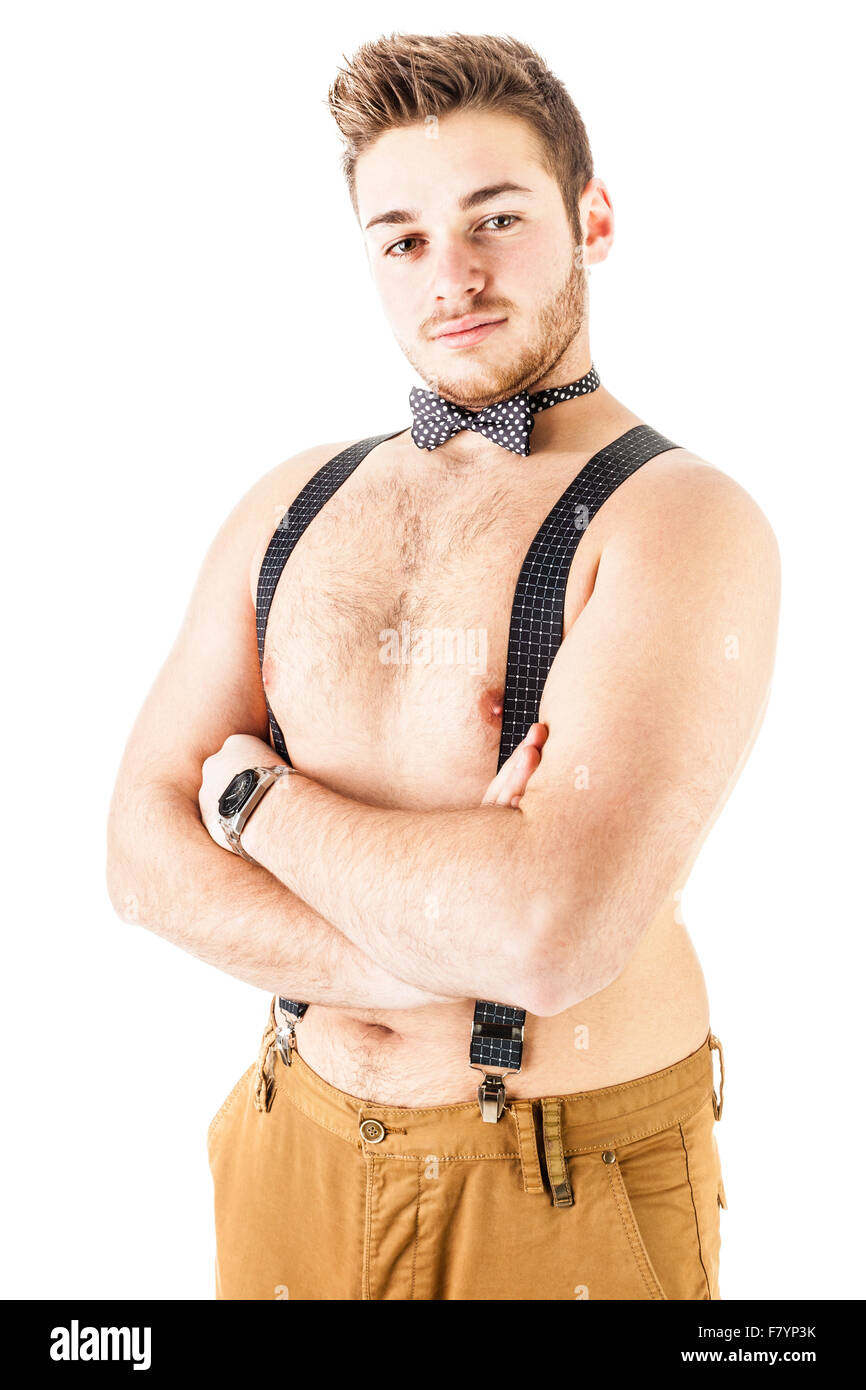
(559, 321)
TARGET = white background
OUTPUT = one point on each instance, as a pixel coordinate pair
(183, 285)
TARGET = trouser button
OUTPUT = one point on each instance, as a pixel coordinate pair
(372, 1131)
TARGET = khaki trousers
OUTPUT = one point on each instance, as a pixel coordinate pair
(606, 1194)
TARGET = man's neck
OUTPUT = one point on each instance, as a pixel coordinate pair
(558, 427)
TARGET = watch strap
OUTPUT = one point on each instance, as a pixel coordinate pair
(233, 826)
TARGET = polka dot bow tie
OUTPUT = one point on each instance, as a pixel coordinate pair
(508, 423)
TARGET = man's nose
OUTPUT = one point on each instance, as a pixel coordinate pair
(456, 272)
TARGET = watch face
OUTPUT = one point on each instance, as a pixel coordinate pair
(237, 792)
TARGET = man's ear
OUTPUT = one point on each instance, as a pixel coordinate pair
(596, 223)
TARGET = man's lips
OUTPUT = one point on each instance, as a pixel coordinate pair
(467, 336)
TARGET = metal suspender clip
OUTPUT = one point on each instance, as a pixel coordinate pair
(286, 1041)
(491, 1097)
(496, 1050)
(290, 1014)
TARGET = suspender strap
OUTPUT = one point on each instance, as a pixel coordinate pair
(310, 500)
(539, 598)
(535, 636)
(497, 1041)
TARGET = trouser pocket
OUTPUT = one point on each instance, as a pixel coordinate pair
(663, 1191)
(625, 1211)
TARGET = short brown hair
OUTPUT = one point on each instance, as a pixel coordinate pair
(401, 80)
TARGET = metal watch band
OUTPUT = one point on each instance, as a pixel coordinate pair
(234, 826)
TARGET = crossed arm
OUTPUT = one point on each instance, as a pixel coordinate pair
(163, 869)
(652, 704)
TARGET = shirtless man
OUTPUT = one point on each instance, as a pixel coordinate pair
(396, 878)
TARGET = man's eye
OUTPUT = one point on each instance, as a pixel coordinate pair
(405, 242)
(497, 216)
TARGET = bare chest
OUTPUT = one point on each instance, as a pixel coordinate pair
(387, 640)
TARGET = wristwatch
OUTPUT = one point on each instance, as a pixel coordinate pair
(240, 799)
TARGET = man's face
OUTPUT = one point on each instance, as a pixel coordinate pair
(454, 248)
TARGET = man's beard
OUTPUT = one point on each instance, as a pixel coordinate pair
(560, 320)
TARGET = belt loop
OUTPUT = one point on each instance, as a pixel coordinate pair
(530, 1164)
(557, 1168)
(716, 1046)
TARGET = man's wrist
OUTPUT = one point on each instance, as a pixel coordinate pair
(265, 819)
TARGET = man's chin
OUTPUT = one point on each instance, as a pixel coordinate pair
(470, 393)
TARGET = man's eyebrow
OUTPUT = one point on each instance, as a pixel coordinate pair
(398, 216)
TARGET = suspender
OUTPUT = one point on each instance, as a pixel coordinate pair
(310, 500)
(539, 598)
(535, 635)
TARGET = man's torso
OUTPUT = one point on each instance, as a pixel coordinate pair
(384, 665)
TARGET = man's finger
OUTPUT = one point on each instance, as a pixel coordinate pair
(512, 778)
(515, 772)
(514, 785)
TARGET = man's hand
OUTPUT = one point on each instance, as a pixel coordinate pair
(239, 752)
(509, 784)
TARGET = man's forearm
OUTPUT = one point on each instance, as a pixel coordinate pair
(166, 873)
(444, 899)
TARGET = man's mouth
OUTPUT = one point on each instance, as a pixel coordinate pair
(466, 332)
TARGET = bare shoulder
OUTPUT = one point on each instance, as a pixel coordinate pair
(267, 501)
(680, 510)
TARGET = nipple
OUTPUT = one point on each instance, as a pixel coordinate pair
(491, 704)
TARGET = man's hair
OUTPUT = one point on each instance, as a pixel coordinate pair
(404, 79)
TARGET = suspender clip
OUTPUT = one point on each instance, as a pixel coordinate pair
(287, 1015)
(496, 1042)
(286, 1042)
(491, 1097)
